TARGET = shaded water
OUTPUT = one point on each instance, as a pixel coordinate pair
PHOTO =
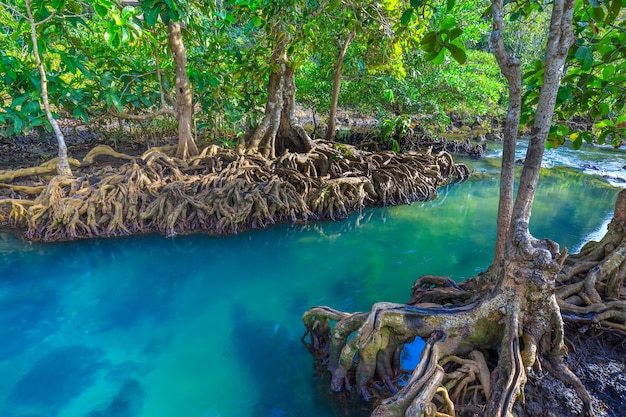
(201, 326)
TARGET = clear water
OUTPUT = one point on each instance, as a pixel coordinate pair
(201, 326)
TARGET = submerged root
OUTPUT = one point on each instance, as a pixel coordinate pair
(221, 192)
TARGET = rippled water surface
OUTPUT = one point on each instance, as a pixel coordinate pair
(201, 326)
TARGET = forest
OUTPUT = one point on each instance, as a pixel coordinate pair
(120, 118)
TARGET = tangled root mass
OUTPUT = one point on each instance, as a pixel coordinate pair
(221, 192)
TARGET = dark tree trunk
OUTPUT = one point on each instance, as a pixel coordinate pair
(184, 104)
(332, 116)
(279, 130)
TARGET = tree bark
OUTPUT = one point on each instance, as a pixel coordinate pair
(184, 104)
(279, 130)
(332, 116)
(63, 166)
(560, 39)
(511, 69)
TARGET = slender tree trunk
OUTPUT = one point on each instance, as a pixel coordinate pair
(63, 166)
(332, 116)
(159, 75)
(560, 39)
(511, 69)
(184, 105)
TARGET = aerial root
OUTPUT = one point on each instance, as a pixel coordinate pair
(221, 192)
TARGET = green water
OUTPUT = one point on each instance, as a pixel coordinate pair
(201, 326)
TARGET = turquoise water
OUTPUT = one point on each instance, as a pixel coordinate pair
(201, 326)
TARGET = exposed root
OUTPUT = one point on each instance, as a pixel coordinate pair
(47, 168)
(592, 290)
(221, 192)
(103, 150)
(479, 349)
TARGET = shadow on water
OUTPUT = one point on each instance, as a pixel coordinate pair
(57, 378)
(26, 318)
(265, 349)
(128, 402)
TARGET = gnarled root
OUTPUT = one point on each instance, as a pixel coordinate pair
(519, 321)
(591, 287)
(370, 356)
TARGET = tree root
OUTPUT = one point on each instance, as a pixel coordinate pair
(221, 192)
(592, 290)
(518, 322)
(47, 168)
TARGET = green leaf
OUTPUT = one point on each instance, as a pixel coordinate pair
(117, 103)
(614, 9)
(448, 23)
(80, 113)
(389, 95)
(598, 14)
(586, 136)
(455, 33)
(17, 126)
(429, 41)
(151, 15)
(603, 123)
(585, 54)
(101, 10)
(602, 137)
(17, 101)
(57, 4)
(450, 5)
(416, 3)
(333, 5)
(577, 142)
(604, 110)
(565, 93)
(436, 57)
(406, 17)
(458, 53)
(607, 72)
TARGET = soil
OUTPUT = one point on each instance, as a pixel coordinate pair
(597, 356)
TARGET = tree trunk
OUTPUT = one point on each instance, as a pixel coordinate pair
(332, 116)
(511, 69)
(279, 130)
(63, 166)
(560, 38)
(184, 105)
